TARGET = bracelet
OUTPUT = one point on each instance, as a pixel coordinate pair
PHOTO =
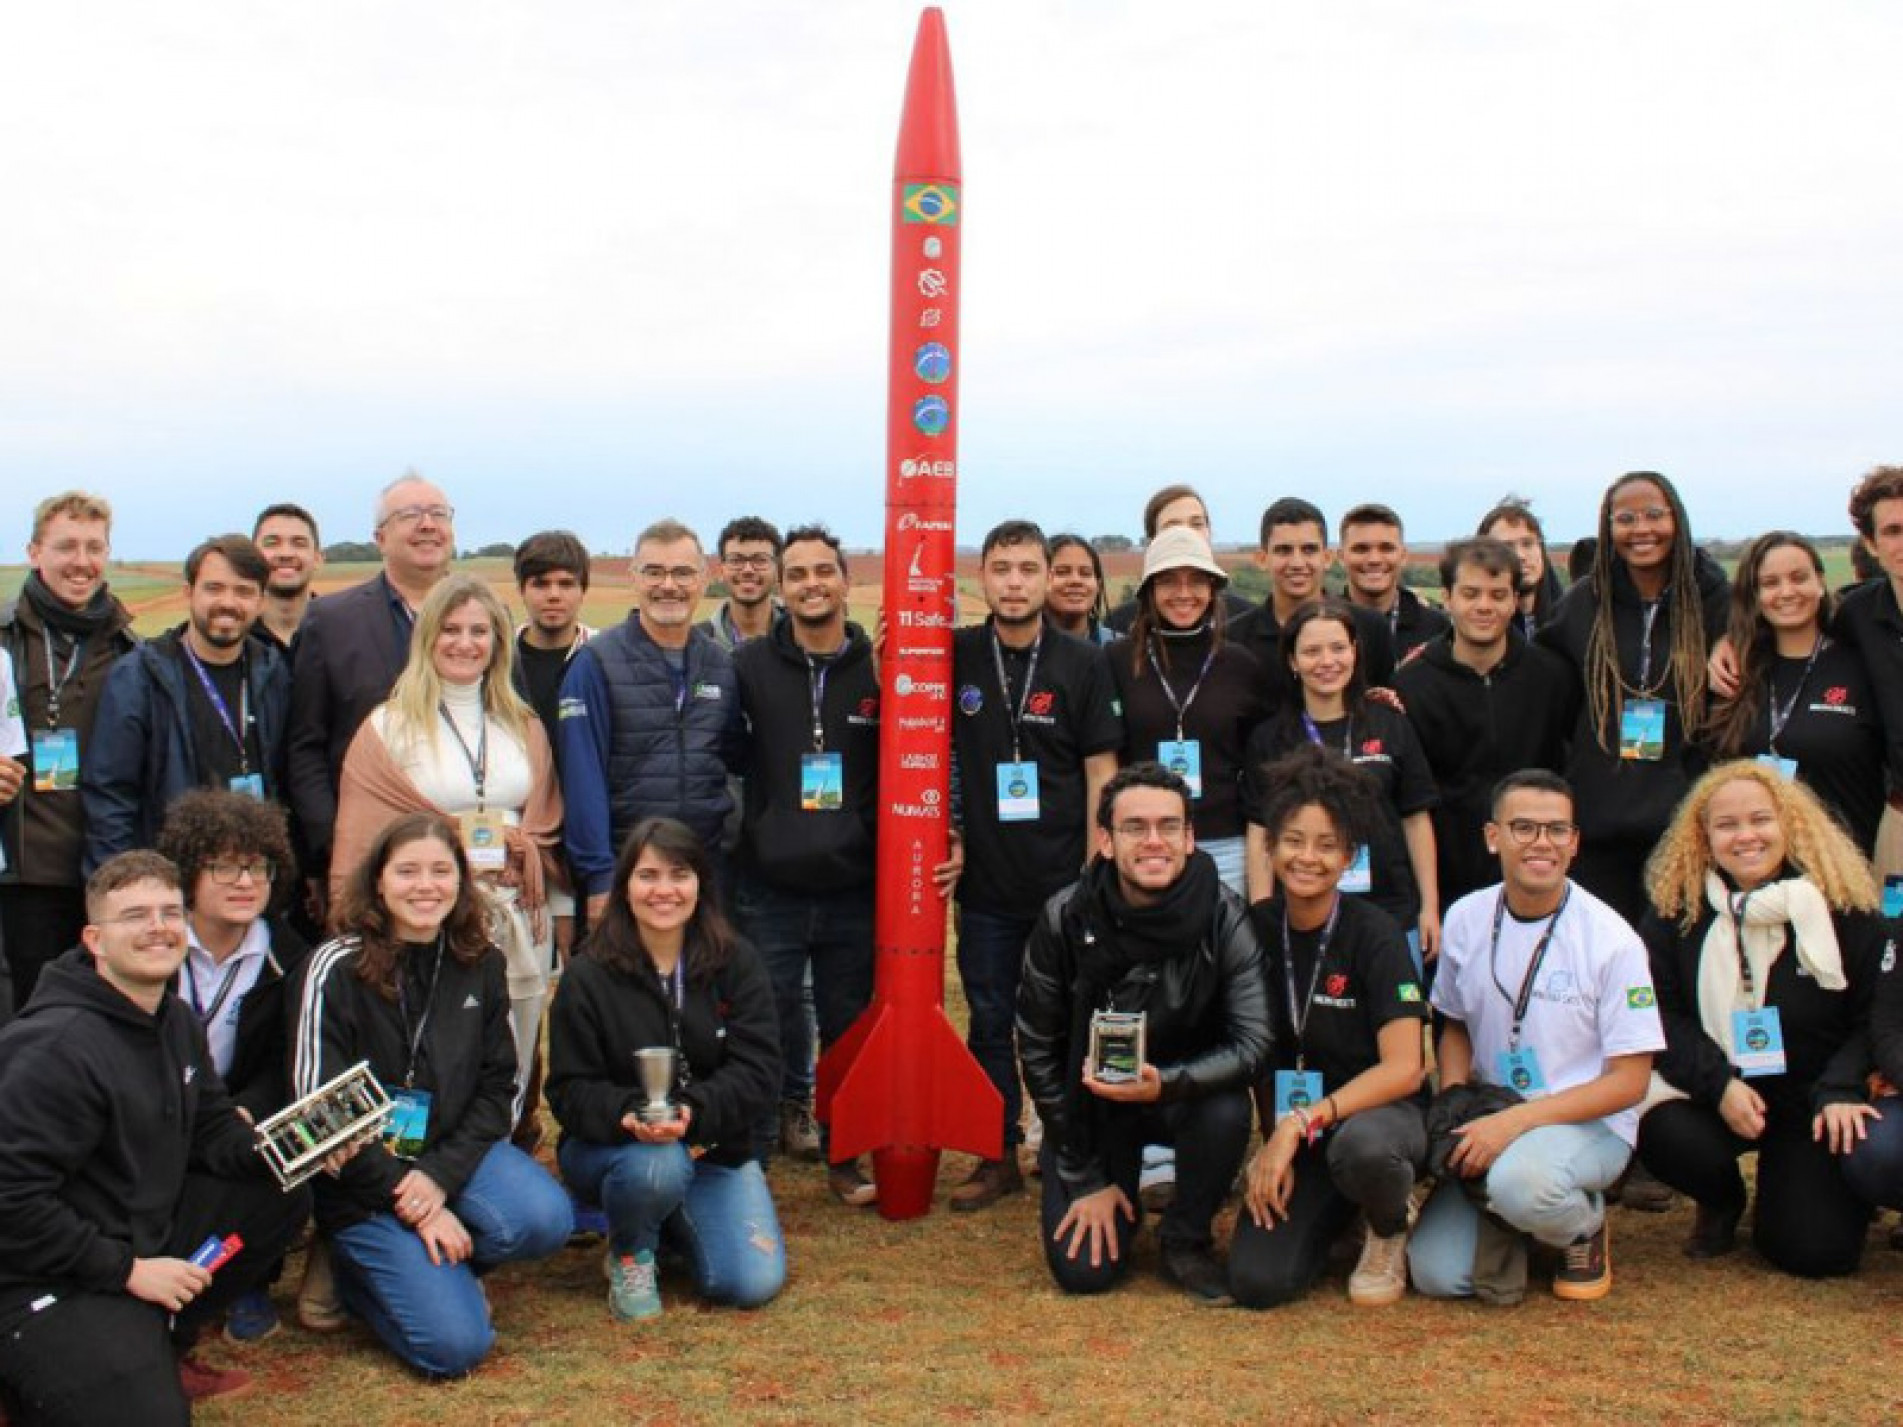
(1334, 1110)
(1300, 1117)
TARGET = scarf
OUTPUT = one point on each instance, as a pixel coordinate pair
(100, 616)
(1118, 936)
(1794, 902)
(374, 792)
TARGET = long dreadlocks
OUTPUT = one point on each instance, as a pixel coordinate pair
(1606, 688)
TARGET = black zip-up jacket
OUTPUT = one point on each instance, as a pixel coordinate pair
(1206, 1017)
(1827, 1048)
(103, 1109)
(144, 752)
(830, 850)
(466, 1061)
(1631, 799)
(1477, 728)
(727, 1034)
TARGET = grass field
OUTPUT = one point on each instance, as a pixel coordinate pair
(952, 1318)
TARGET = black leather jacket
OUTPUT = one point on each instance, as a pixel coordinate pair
(1206, 1022)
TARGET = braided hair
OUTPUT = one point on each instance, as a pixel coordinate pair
(1606, 688)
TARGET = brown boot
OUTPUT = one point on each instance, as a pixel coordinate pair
(987, 1184)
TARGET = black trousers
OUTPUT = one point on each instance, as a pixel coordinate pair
(1368, 1165)
(90, 1359)
(36, 925)
(1210, 1134)
(1807, 1223)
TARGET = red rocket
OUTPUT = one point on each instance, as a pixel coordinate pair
(900, 1083)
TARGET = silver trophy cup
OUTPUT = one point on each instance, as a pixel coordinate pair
(655, 1068)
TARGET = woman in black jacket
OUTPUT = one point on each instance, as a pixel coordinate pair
(665, 970)
(1637, 631)
(1766, 950)
(412, 985)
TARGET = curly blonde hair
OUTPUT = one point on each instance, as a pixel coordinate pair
(1815, 844)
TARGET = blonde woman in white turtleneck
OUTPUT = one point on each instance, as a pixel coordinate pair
(454, 738)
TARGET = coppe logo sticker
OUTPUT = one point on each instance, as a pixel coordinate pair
(932, 362)
(912, 521)
(931, 414)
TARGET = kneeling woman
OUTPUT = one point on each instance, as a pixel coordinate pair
(665, 970)
(1766, 950)
(1344, 1092)
(413, 986)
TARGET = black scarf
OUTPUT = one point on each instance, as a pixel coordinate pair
(1118, 936)
(100, 615)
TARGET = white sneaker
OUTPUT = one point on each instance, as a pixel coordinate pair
(1381, 1275)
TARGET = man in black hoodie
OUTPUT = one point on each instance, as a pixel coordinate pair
(1484, 702)
(810, 694)
(120, 1155)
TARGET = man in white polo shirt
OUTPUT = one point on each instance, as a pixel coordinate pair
(1545, 991)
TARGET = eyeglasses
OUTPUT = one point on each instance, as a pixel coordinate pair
(1525, 832)
(166, 916)
(1651, 515)
(1163, 829)
(663, 574)
(417, 514)
(747, 562)
(229, 874)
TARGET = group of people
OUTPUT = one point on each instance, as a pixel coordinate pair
(1481, 897)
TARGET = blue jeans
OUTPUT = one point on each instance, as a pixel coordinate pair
(433, 1315)
(1549, 1183)
(990, 964)
(722, 1217)
(1874, 1169)
(833, 932)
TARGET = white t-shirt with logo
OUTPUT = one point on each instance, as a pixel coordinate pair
(1592, 999)
(12, 722)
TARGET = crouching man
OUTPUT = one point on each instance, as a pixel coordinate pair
(1148, 929)
(120, 1155)
(1551, 1025)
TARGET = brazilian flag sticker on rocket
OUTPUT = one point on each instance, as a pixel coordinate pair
(931, 203)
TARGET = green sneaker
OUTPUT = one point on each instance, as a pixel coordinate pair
(633, 1290)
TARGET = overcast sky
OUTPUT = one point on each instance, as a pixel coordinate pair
(591, 262)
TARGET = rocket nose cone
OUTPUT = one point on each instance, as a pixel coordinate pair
(928, 132)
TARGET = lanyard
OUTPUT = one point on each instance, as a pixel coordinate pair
(1016, 716)
(1651, 614)
(1182, 708)
(816, 670)
(1525, 998)
(219, 707)
(1745, 975)
(415, 1038)
(1298, 1013)
(674, 1004)
(1315, 735)
(56, 685)
(1782, 716)
(479, 759)
(208, 1014)
(1394, 621)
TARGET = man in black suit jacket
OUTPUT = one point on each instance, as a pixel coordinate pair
(350, 649)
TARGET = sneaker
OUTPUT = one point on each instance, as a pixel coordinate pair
(1380, 1277)
(1156, 1183)
(1642, 1191)
(987, 1184)
(252, 1318)
(1193, 1268)
(1714, 1232)
(1585, 1269)
(850, 1185)
(799, 1131)
(319, 1309)
(633, 1292)
(200, 1380)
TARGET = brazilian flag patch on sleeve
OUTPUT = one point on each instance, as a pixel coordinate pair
(1640, 998)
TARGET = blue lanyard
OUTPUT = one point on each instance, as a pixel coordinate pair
(219, 707)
